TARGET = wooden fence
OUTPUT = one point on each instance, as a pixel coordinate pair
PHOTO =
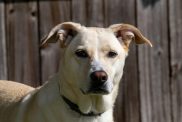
(151, 89)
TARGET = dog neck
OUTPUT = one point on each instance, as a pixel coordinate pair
(75, 108)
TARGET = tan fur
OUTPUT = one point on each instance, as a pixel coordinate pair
(10, 94)
(12, 91)
(21, 103)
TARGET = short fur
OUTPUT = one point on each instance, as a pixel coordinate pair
(21, 103)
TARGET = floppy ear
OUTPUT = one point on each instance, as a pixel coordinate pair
(63, 32)
(127, 33)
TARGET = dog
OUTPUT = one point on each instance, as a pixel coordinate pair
(86, 85)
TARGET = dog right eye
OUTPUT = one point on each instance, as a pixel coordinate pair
(81, 53)
(112, 54)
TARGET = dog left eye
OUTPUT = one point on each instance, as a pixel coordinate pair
(81, 53)
(112, 54)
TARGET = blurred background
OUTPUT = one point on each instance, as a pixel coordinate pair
(151, 89)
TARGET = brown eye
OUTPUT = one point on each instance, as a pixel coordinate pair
(81, 53)
(112, 54)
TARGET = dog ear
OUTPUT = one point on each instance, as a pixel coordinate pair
(127, 33)
(63, 33)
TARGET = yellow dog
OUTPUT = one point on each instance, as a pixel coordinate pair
(86, 86)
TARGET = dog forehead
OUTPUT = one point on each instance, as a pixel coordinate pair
(98, 36)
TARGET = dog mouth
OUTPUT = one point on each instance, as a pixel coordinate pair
(96, 90)
(99, 91)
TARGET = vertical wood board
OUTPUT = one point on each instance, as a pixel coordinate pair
(3, 56)
(175, 22)
(153, 62)
(22, 42)
(79, 11)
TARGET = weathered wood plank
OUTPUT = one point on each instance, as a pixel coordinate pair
(153, 62)
(95, 13)
(3, 56)
(175, 19)
(22, 42)
(56, 12)
(127, 105)
(79, 11)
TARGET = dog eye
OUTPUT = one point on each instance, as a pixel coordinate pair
(112, 54)
(81, 53)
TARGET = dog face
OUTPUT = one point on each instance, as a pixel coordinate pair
(94, 58)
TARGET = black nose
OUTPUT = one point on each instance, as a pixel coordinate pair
(99, 76)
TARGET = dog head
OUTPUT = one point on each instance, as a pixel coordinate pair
(93, 58)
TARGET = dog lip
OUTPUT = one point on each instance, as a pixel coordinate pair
(95, 89)
(98, 91)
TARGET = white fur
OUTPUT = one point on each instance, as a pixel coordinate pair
(45, 104)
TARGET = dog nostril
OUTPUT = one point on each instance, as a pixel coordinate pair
(99, 76)
(104, 78)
